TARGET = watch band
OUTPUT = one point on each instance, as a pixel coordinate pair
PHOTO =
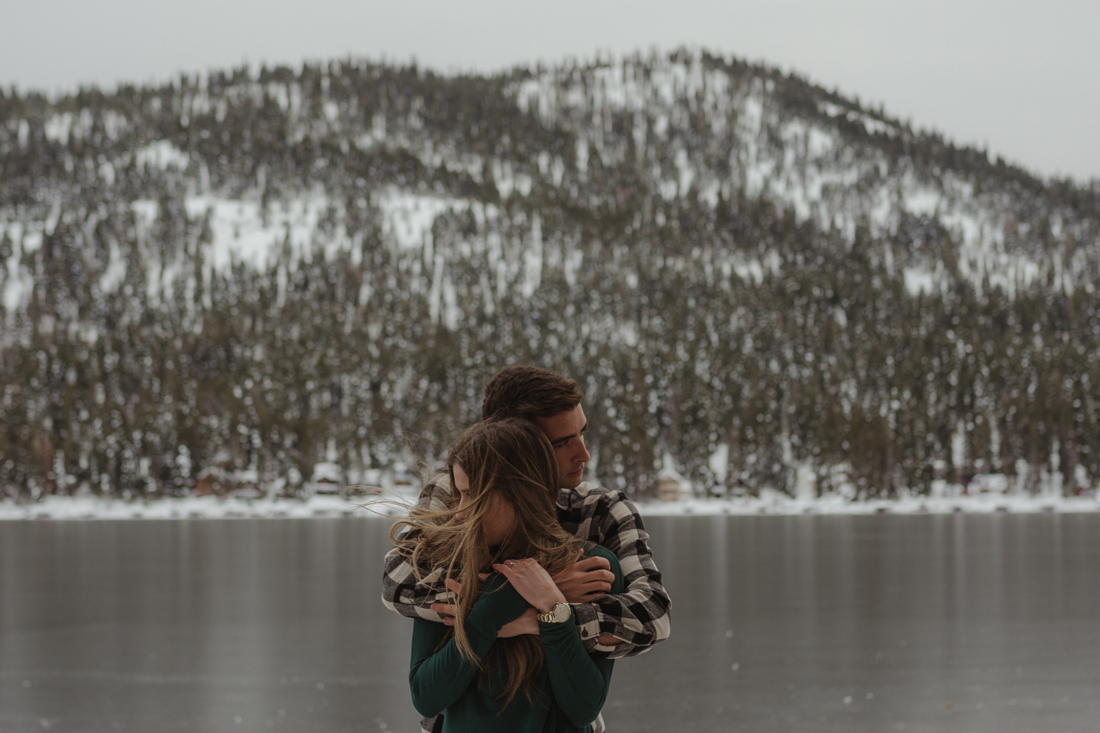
(559, 614)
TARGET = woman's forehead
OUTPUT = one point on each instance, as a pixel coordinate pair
(462, 481)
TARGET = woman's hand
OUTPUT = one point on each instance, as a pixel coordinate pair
(532, 582)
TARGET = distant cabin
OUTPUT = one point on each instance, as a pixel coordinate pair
(328, 478)
(217, 481)
(401, 475)
(213, 481)
(668, 489)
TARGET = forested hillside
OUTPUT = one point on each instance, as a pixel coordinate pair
(752, 277)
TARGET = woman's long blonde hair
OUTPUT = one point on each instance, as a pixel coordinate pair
(513, 460)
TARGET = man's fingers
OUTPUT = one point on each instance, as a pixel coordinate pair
(445, 608)
(593, 563)
(596, 581)
(587, 565)
(600, 588)
(603, 577)
(599, 576)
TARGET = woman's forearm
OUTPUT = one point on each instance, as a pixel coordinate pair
(578, 680)
(438, 677)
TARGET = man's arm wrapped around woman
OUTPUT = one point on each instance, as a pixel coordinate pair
(639, 615)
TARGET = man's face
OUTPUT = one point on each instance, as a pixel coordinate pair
(566, 433)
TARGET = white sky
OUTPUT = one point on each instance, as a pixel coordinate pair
(1018, 77)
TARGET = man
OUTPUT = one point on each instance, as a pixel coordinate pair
(610, 626)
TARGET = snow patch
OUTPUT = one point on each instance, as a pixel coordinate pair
(162, 155)
(919, 280)
(58, 127)
(243, 232)
(115, 272)
(408, 217)
(777, 503)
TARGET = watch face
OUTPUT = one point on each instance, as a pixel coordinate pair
(561, 612)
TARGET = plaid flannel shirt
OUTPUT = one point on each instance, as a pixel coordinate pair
(639, 616)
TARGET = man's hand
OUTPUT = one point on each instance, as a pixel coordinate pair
(447, 610)
(586, 581)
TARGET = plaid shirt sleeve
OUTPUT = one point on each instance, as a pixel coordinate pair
(641, 615)
(401, 592)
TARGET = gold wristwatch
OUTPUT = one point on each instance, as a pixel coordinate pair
(559, 614)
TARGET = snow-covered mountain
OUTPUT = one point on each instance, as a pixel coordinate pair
(754, 279)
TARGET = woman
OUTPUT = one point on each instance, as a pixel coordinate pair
(504, 532)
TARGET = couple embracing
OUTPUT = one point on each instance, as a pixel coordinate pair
(525, 581)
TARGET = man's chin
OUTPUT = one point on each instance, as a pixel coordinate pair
(573, 480)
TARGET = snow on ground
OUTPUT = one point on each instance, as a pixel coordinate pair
(776, 503)
(391, 505)
(208, 507)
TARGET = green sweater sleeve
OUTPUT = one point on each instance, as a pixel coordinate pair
(439, 675)
(579, 681)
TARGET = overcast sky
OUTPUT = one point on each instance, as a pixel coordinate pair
(1017, 77)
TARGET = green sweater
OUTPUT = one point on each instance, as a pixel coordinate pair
(574, 683)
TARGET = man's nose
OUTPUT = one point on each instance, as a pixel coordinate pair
(583, 456)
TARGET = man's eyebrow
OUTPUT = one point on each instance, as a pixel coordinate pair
(565, 439)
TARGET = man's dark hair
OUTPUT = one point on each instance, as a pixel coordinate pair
(528, 392)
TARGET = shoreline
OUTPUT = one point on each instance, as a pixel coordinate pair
(769, 503)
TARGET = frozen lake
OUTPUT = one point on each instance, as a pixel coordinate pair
(781, 623)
